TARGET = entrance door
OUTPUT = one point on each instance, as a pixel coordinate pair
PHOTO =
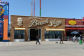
(34, 33)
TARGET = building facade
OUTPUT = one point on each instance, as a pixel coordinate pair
(26, 28)
(74, 27)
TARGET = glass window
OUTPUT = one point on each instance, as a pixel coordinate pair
(19, 34)
(52, 34)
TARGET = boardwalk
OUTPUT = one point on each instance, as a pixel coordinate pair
(45, 49)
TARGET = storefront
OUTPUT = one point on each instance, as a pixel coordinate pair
(74, 27)
(26, 28)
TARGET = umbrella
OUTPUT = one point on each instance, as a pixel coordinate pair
(74, 32)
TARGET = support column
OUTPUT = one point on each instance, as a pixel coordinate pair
(65, 35)
(43, 34)
(12, 34)
(5, 29)
(26, 34)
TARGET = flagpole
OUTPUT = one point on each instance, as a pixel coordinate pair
(34, 7)
(40, 8)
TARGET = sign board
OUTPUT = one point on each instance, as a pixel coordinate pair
(19, 21)
(1, 10)
(72, 22)
(50, 23)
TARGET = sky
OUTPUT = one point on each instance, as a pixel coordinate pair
(50, 8)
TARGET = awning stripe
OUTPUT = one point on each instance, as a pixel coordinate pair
(19, 28)
(55, 29)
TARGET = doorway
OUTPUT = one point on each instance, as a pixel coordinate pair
(34, 33)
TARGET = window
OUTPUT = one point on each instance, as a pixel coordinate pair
(19, 34)
(52, 34)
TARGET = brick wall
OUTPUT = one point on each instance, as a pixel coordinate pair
(27, 21)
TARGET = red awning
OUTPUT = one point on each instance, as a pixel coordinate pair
(74, 28)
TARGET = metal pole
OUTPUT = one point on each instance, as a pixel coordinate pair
(34, 7)
(40, 8)
(8, 19)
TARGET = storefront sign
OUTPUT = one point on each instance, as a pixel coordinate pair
(72, 22)
(19, 21)
(35, 22)
(54, 22)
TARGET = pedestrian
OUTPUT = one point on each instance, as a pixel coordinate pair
(74, 38)
(37, 39)
(80, 41)
(61, 39)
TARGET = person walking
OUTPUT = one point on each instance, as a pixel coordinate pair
(61, 39)
(80, 41)
(37, 39)
(74, 38)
